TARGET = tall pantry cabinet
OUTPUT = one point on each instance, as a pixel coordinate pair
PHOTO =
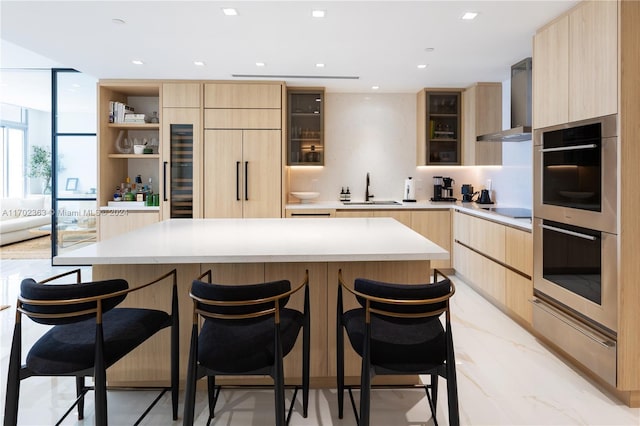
(243, 150)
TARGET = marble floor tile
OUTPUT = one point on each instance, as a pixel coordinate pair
(505, 377)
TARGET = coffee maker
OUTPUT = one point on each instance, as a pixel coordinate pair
(442, 189)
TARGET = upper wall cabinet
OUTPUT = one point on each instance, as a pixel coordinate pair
(242, 95)
(181, 95)
(482, 114)
(243, 106)
(305, 127)
(439, 127)
(575, 75)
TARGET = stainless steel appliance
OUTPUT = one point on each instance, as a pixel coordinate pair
(521, 77)
(575, 173)
(442, 189)
(576, 242)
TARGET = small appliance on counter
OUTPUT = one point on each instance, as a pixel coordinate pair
(442, 189)
(409, 194)
(484, 197)
(467, 193)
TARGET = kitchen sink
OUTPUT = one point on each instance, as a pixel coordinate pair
(371, 203)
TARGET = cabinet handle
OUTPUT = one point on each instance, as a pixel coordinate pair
(570, 148)
(246, 180)
(566, 231)
(164, 180)
(237, 181)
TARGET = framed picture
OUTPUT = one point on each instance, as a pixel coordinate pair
(72, 184)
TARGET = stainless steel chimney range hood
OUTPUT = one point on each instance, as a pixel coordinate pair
(520, 106)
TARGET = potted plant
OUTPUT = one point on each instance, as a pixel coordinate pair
(40, 166)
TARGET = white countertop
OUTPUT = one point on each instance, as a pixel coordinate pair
(259, 240)
(471, 208)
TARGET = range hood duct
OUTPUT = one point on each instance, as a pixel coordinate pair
(521, 105)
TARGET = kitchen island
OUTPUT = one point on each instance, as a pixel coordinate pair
(244, 251)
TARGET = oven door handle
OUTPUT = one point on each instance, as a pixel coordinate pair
(570, 148)
(566, 231)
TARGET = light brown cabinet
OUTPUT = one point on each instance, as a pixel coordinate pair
(576, 65)
(439, 127)
(242, 173)
(116, 159)
(434, 225)
(497, 260)
(482, 114)
(181, 95)
(305, 127)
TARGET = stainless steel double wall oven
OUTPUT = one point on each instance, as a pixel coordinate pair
(575, 239)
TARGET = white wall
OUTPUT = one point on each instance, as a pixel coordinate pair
(376, 133)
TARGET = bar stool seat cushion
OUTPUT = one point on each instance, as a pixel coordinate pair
(70, 348)
(239, 346)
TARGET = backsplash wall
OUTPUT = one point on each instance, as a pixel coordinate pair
(376, 133)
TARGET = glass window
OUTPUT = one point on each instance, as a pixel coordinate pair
(77, 164)
(13, 162)
(76, 103)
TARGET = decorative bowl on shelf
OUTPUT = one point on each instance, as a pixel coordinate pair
(305, 197)
(138, 149)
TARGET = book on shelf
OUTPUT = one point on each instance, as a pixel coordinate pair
(117, 111)
(134, 118)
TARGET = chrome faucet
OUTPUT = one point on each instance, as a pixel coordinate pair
(367, 196)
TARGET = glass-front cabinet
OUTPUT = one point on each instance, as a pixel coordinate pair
(305, 127)
(439, 127)
(181, 186)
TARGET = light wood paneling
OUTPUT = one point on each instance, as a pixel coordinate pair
(230, 158)
(243, 95)
(435, 225)
(518, 293)
(112, 223)
(551, 74)
(519, 250)
(181, 95)
(487, 237)
(402, 216)
(149, 364)
(354, 213)
(242, 119)
(421, 128)
(593, 60)
(482, 114)
(629, 240)
(319, 311)
(261, 152)
(223, 175)
(394, 272)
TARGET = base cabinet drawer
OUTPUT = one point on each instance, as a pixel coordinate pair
(590, 348)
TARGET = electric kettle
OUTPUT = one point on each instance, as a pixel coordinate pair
(484, 197)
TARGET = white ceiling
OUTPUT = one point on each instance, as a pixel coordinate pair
(381, 42)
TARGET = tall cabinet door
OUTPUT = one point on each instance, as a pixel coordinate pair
(223, 173)
(262, 168)
(180, 191)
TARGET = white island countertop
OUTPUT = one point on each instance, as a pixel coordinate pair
(259, 240)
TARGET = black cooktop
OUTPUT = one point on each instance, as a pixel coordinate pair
(514, 212)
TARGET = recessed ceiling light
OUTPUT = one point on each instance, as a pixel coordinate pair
(422, 66)
(429, 49)
(137, 62)
(317, 13)
(259, 64)
(375, 87)
(118, 21)
(229, 11)
(469, 15)
(320, 65)
(198, 63)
